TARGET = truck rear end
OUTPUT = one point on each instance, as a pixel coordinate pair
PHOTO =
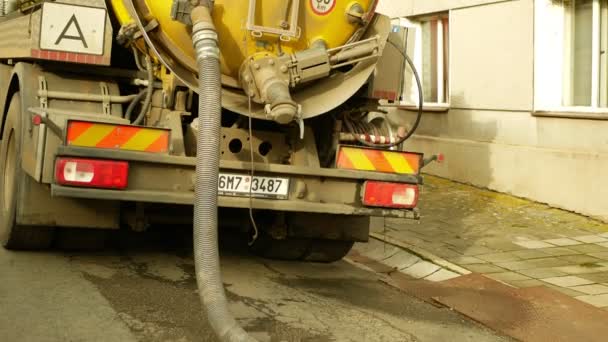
(100, 126)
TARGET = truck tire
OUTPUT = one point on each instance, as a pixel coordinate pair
(323, 238)
(80, 239)
(13, 181)
(328, 250)
(289, 249)
(298, 249)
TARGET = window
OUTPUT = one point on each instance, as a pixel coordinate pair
(427, 43)
(571, 55)
(584, 49)
(434, 59)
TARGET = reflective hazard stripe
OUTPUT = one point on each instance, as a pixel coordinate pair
(363, 159)
(130, 138)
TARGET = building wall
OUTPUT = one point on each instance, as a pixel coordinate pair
(490, 136)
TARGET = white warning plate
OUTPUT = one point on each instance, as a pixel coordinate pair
(72, 28)
(322, 7)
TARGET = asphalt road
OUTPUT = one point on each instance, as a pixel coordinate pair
(143, 290)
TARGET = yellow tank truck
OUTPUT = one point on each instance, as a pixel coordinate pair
(125, 113)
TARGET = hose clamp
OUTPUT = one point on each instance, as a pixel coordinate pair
(205, 34)
(204, 26)
(205, 43)
(207, 52)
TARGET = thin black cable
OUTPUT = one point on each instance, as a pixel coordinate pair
(133, 104)
(256, 231)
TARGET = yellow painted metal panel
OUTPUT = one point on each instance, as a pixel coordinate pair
(330, 24)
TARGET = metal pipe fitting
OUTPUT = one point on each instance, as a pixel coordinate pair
(266, 80)
(282, 109)
(64, 95)
(205, 42)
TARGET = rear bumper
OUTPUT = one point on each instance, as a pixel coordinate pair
(171, 179)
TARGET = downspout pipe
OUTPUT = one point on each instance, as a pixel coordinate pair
(206, 250)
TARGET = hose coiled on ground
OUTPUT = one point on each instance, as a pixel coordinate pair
(206, 250)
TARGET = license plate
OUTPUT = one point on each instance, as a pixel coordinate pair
(260, 187)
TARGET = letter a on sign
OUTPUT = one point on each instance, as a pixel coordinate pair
(64, 34)
(73, 28)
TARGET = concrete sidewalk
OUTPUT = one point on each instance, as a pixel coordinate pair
(518, 242)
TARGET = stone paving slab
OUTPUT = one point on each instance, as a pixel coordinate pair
(601, 255)
(402, 260)
(598, 277)
(518, 242)
(599, 300)
(508, 276)
(485, 268)
(568, 281)
(563, 242)
(594, 289)
(559, 251)
(542, 273)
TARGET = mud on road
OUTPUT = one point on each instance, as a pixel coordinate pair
(143, 289)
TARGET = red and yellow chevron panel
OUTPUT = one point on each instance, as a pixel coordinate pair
(365, 159)
(119, 137)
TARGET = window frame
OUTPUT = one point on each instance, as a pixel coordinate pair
(410, 92)
(553, 62)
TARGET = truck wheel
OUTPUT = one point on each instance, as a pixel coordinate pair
(328, 250)
(13, 181)
(296, 249)
(285, 249)
(314, 243)
(81, 239)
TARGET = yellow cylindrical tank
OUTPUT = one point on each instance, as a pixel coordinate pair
(319, 20)
(270, 27)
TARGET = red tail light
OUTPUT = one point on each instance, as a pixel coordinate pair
(91, 173)
(390, 195)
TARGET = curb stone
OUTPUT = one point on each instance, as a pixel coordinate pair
(422, 254)
(414, 263)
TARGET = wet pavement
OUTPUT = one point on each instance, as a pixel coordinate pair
(143, 289)
(533, 314)
(515, 241)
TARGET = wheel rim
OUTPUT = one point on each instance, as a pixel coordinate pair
(9, 173)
